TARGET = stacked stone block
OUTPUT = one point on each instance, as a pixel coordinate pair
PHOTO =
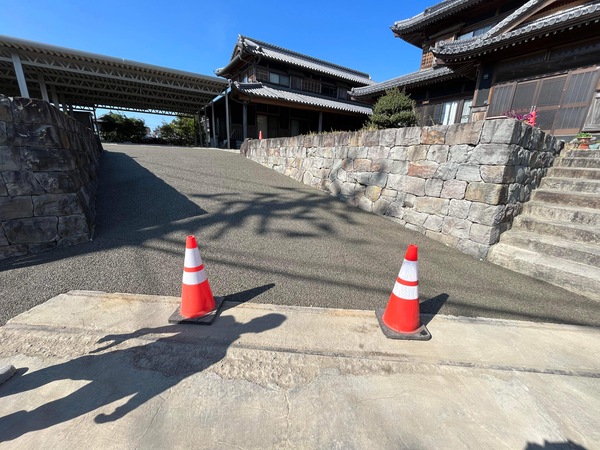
(48, 178)
(461, 184)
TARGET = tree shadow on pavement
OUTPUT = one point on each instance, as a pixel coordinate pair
(260, 226)
(141, 372)
(135, 206)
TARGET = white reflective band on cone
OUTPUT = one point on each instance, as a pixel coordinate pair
(409, 271)
(192, 258)
(191, 278)
(406, 292)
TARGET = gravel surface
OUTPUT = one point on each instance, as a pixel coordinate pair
(266, 238)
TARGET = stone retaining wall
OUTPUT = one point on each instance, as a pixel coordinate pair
(460, 184)
(48, 178)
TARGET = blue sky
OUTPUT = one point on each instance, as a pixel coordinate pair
(199, 36)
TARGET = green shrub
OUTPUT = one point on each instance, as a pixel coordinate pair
(393, 110)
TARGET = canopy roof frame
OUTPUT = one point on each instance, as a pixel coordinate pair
(90, 80)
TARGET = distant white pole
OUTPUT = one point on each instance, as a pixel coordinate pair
(16, 59)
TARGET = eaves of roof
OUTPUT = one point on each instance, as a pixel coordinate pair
(261, 91)
(432, 14)
(422, 77)
(495, 39)
(272, 52)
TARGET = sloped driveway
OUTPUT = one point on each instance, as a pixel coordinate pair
(267, 238)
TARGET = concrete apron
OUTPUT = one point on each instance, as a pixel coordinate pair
(100, 370)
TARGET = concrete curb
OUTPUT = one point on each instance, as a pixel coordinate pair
(305, 377)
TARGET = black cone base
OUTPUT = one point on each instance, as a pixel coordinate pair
(420, 334)
(207, 319)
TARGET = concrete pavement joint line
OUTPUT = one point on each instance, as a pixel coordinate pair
(372, 356)
(345, 312)
(141, 439)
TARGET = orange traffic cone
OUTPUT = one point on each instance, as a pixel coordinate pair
(260, 135)
(198, 305)
(401, 319)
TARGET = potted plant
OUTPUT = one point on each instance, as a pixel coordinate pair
(584, 140)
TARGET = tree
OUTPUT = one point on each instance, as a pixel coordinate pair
(120, 128)
(394, 109)
(181, 131)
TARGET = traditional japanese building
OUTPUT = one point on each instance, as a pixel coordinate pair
(484, 58)
(277, 93)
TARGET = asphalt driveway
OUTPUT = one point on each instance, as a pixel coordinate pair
(265, 238)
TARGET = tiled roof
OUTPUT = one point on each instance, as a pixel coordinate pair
(273, 52)
(495, 38)
(408, 80)
(262, 91)
(432, 14)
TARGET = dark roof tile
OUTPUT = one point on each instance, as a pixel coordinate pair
(262, 91)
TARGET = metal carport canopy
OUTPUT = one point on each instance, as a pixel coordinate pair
(88, 80)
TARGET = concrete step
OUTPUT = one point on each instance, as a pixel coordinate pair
(559, 213)
(571, 184)
(573, 276)
(583, 154)
(565, 198)
(561, 230)
(568, 161)
(586, 253)
(574, 172)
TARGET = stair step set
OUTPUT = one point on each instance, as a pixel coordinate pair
(593, 163)
(574, 172)
(578, 278)
(557, 236)
(557, 248)
(561, 230)
(556, 213)
(564, 198)
(571, 184)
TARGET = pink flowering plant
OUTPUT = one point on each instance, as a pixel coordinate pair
(525, 118)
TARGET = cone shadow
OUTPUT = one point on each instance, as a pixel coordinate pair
(232, 300)
(431, 307)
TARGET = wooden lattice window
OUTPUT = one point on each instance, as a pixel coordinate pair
(309, 85)
(262, 74)
(427, 60)
(562, 102)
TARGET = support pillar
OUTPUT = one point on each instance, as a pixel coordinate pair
(96, 129)
(16, 59)
(63, 102)
(245, 120)
(54, 97)
(43, 88)
(196, 128)
(214, 128)
(227, 118)
(320, 121)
